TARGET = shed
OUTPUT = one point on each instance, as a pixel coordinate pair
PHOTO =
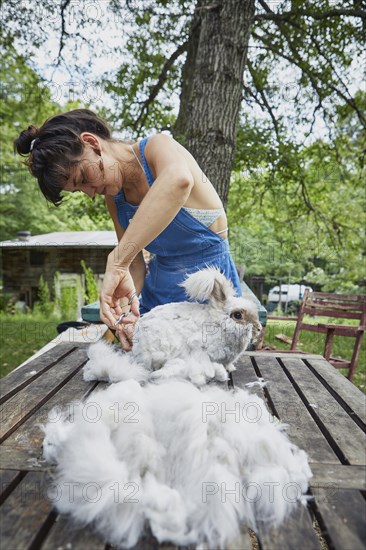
(25, 259)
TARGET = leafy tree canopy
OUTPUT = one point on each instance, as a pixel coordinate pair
(25, 100)
(302, 57)
(293, 185)
(302, 216)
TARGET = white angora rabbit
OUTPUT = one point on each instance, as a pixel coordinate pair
(196, 341)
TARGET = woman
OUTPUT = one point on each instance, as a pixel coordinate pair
(157, 196)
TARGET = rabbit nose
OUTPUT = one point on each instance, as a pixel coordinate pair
(257, 332)
(258, 327)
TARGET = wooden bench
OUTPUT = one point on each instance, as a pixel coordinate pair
(338, 306)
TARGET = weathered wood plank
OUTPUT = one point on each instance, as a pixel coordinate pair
(338, 330)
(21, 459)
(286, 401)
(28, 400)
(149, 542)
(243, 542)
(337, 383)
(20, 378)
(64, 535)
(325, 312)
(338, 475)
(342, 516)
(245, 374)
(344, 432)
(303, 431)
(282, 353)
(353, 298)
(26, 513)
(8, 480)
(29, 436)
(296, 532)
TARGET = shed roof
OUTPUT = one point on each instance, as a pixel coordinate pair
(66, 239)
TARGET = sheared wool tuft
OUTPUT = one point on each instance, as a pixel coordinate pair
(196, 463)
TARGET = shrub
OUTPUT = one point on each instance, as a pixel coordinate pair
(45, 305)
(91, 293)
(68, 302)
(5, 298)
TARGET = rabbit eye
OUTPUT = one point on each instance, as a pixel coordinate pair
(236, 315)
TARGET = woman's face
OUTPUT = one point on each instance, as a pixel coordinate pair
(94, 175)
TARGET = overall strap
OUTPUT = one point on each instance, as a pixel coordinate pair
(149, 175)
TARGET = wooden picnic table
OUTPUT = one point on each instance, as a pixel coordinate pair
(324, 411)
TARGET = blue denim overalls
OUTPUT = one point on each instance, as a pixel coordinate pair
(185, 246)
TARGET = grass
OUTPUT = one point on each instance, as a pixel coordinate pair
(21, 336)
(313, 342)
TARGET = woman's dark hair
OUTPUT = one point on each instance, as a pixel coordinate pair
(54, 148)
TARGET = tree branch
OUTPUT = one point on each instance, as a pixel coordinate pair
(289, 15)
(293, 60)
(159, 84)
(265, 102)
(270, 15)
(64, 33)
(348, 99)
(299, 62)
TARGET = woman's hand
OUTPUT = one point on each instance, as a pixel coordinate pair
(125, 331)
(118, 284)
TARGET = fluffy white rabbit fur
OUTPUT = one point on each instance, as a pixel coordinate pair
(193, 462)
(191, 340)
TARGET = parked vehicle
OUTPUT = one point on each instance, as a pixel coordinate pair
(287, 293)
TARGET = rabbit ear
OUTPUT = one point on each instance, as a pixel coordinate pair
(222, 290)
(209, 284)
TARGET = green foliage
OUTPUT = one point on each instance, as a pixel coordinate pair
(300, 214)
(45, 306)
(10, 306)
(23, 335)
(68, 302)
(144, 89)
(296, 210)
(5, 298)
(66, 305)
(91, 293)
(300, 56)
(26, 99)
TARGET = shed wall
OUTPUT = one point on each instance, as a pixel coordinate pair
(22, 267)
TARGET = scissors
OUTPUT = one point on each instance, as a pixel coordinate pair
(123, 315)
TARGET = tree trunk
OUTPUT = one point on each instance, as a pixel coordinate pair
(212, 86)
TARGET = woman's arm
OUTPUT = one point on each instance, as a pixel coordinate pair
(112, 209)
(173, 184)
(138, 272)
(137, 267)
(171, 188)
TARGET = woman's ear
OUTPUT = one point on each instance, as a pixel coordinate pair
(92, 140)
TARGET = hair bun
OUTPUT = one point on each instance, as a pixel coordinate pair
(23, 143)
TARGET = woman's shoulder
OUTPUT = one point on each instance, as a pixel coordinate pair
(164, 153)
(162, 146)
(158, 141)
